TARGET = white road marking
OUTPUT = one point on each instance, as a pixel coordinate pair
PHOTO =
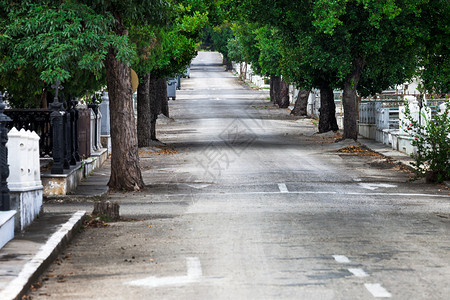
(16, 286)
(318, 192)
(198, 186)
(341, 259)
(358, 272)
(194, 268)
(283, 188)
(377, 290)
(374, 186)
(194, 274)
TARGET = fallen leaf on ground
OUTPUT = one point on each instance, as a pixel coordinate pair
(358, 150)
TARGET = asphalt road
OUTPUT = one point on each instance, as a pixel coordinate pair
(250, 203)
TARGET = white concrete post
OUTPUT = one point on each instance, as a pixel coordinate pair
(93, 129)
(104, 108)
(30, 158)
(18, 169)
(99, 130)
(36, 160)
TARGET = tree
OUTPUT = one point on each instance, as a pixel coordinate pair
(435, 58)
(42, 42)
(269, 60)
(163, 52)
(59, 38)
(260, 47)
(216, 38)
(337, 41)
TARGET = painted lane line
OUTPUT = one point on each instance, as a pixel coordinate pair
(283, 188)
(358, 272)
(194, 268)
(374, 186)
(194, 274)
(341, 259)
(16, 286)
(377, 290)
(314, 193)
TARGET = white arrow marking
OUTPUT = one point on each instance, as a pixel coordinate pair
(194, 274)
(374, 186)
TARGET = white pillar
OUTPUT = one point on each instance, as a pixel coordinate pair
(93, 130)
(36, 159)
(18, 169)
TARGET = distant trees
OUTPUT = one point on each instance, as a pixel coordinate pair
(163, 51)
(357, 46)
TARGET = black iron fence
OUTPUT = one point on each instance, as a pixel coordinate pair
(64, 131)
(37, 120)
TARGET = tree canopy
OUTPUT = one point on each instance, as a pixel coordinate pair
(363, 45)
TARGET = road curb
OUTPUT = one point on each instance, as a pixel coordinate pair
(76, 198)
(41, 260)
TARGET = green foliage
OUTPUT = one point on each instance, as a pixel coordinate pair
(269, 45)
(174, 46)
(432, 139)
(435, 58)
(44, 41)
(320, 40)
(258, 45)
(244, 47)
(216, 38)
(55, 39)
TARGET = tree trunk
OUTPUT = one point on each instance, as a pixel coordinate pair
(107, 209)
(275, 82)
(243, 66)
(158, 102)
(279, 91)
(327, 111)
(300, 108)
(283, 99)
(143, 112)
(125, 169)
(272, 95)
(227, 63)
(349, 100)
(44, 102)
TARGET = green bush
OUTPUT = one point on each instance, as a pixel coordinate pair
(431, 138)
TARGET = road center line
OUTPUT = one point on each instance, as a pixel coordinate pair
(358, 272)
(283, 188)
(377, 290)
(317, 192)
(341, 259)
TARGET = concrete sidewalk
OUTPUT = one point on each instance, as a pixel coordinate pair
(24, 258)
